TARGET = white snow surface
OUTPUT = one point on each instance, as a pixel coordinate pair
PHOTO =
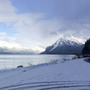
(69, 75)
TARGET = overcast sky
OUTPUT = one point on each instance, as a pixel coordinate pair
(36, 24)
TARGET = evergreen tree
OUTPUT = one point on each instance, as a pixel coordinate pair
(86, 49)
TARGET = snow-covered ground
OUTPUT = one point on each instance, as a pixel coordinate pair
(69, 75)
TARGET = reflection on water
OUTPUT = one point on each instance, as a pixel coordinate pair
(12, 61)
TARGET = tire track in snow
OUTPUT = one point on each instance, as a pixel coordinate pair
(48, 85)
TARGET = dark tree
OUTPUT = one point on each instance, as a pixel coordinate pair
(86, 49)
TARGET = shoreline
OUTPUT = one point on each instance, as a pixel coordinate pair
(73, 71)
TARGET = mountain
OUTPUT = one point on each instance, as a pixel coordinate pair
(66, 45)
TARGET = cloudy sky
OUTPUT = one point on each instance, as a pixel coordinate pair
(36, 24)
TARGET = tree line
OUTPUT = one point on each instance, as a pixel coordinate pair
(86, 49)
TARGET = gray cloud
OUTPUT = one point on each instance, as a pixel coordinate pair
(74, 9)
(36, 31)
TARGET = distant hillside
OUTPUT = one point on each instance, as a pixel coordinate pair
(66, 45)
(5, 50)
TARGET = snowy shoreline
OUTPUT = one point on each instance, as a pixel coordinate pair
(70, 75)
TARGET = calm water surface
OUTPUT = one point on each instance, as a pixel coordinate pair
(12, 61)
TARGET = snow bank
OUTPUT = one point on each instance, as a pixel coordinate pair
(56, 76)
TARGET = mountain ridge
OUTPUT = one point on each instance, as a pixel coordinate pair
(66, 45)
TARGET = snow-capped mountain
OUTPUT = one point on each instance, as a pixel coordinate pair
(66, 45)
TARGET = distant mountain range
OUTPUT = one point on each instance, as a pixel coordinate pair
(5, 50)
(66, 45)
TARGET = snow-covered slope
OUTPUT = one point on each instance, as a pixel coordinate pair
(67, 41)
(66, 45)
(70, 75)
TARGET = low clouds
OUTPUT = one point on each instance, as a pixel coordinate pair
(34, 31)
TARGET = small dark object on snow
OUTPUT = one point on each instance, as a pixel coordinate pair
(24, 71)
(19, 66)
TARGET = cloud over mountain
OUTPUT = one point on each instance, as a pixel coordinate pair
(66, 45)
(36, 30)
